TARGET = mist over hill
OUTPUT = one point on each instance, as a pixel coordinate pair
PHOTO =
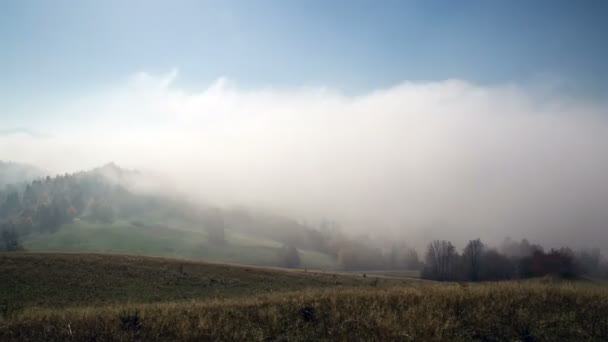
(116, 210)
(15, 173)
(111, 209)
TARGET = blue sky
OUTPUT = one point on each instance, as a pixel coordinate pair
(52, 50)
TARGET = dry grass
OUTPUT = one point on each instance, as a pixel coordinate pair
(526, 311)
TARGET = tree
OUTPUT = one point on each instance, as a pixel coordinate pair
(29, 196)
(519, 250)
(9, 240)
(496, 266)
(24, 223)
(558, 262)
(590, 261)
(402, 257)
(412, 262)
(48, 218)
(440, 261)
(472, 257)
(12, 203)
(289, 257)
(358, 255)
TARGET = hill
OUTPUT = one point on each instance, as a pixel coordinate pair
(183, 241)
(86, 297)
(113, 210)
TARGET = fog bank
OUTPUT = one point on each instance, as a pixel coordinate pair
(425, 160)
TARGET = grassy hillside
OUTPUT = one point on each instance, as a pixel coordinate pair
(155, 240)
(105, 210)
(59, 280)
(90, 297)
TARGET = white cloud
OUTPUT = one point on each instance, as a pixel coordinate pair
(439, 158)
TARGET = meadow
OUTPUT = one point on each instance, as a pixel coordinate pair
(93, 297)
(178, 241)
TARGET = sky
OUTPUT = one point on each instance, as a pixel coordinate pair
(54, 50)
(439, 119)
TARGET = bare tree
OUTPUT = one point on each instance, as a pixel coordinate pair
(472, 257)
(441, 261)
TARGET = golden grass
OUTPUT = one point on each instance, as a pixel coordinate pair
(488, 312)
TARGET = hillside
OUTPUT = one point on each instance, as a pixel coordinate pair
(70, 279)
(105, 210)
(127, 237)
(87, 297)
(113, 210)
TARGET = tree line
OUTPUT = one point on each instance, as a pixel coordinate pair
(512, 260)
(42, 206)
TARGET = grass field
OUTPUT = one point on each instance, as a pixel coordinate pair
(84, 297)
(154, 240)
(57, 280)
(392, 273)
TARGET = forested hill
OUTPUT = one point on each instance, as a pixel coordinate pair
(15, 173)
(101, 195)
(102, 210)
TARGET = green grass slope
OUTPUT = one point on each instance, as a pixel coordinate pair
(123, 237)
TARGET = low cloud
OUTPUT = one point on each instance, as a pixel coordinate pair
(445, 159)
